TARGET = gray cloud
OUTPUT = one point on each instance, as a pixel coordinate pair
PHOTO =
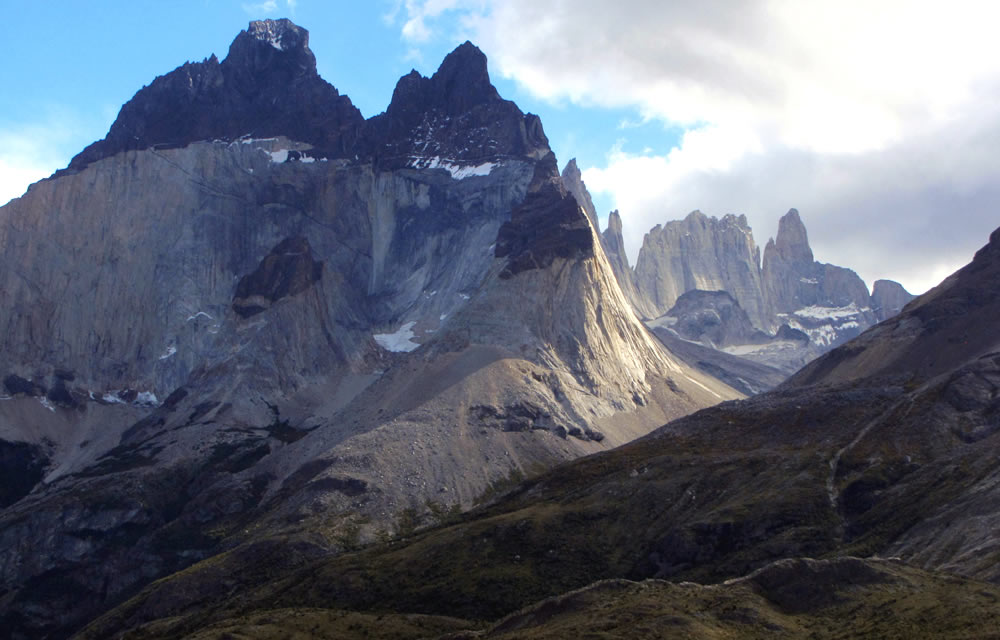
(878, 121)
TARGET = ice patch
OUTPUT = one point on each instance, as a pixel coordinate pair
(147, 398)
(809, 280)
(399, 342)
(828, 313)
(278, 157)
(255, 140)
(823, 335)
(112, 398)
(463, 296)
(45, 403)
(171, 350)
(457, 171)
(443, 316)
(307, 159)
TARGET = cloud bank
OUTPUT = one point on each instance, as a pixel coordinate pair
(877, 120)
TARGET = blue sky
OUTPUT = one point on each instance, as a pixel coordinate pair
(878, 120)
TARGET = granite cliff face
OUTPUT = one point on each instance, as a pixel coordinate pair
(704, 253)
(298, 325)
(888, 299)
(788, 294)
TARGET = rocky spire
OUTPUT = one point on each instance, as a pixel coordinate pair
(794, 281)
(792, 243)
(573, 180)
(614, 248)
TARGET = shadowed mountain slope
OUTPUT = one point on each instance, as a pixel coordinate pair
(888, 463)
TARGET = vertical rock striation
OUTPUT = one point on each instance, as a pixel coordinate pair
(704, 253)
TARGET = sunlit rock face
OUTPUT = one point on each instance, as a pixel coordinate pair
(706, 253)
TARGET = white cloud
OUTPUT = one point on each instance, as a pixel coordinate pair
(257, 9)
(421, 16)
(268, 8)
(33, 151)
(878, 120)
(418, 13)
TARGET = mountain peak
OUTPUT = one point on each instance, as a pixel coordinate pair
(615, 222)
(460, 83)
(271, 47)
(792, 242)
(281, 34)
(455, 114)
(267, 86)
(573, 180)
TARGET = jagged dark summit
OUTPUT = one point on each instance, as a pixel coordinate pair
(266, 86)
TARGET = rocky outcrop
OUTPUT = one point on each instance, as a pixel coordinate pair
(888, 299)
(546, 226)
(713, 318)
(704, 253)
(573, 181)
(288, 270)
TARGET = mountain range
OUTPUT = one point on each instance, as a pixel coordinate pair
(271, 365)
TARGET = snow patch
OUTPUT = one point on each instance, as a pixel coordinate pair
(112, 398)
(278, 157)
(171, 350)
(256, 140)
(195, 316)
(457, 171)
(45, 403)
(828, 313)
(399, 342)
(147, 398)
(809, 280)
